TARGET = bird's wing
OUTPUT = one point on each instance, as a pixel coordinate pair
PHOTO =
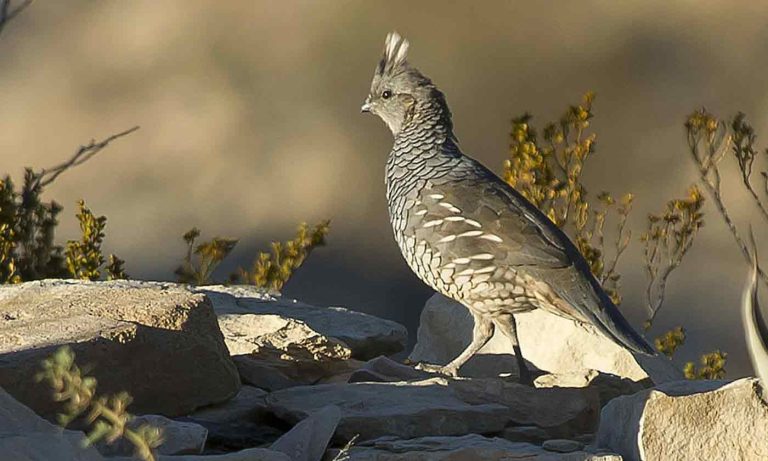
(470, 213)
(473, 218)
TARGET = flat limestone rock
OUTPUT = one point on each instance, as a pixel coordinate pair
(403, 409)
(440, 406)
(384, 369)
(248, 405)
(470, 447)
(237, 424)
(365, 335)
(24, 436)
(251, 454)
(608, 387)
(446, 329)
(274, 352)
(307, 440)
(562, 412)
(160, 342)
(686, 420)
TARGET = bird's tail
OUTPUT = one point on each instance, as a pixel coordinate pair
(616, 327)
(595, 307)
(613, 324)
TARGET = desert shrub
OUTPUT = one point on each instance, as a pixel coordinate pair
(666, 241)
(106, 416)
(28, 223)
(272, 270)
(27, 227)
(83, 257)
(711, 141)
(712, 366)
(202, 259)
(547, 169)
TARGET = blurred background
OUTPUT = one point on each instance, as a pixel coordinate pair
(250, 123)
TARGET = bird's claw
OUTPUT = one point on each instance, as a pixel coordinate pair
(445, 370)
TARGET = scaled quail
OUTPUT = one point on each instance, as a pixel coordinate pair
(468, 234)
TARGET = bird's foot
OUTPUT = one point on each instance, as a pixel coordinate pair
(445, 370)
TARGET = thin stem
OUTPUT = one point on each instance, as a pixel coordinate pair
(83, 154)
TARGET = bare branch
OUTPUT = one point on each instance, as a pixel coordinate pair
(6, 13)
(703, 128)
(83, 154)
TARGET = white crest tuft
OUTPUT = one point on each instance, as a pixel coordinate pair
(395, 52)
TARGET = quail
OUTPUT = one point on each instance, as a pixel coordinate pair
(468, 234)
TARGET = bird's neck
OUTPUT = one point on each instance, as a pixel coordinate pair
(425, 141)
(428, 124)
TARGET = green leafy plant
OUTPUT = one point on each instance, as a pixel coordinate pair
(272, 270)
(84, 259)
(107, 416)
(202, 259)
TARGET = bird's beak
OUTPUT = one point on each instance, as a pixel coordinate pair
(366, 106)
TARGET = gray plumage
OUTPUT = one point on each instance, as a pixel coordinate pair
(468, 234)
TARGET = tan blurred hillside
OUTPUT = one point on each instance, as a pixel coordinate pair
(250, 123)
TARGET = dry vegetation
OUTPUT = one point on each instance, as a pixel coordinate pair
(547, 169)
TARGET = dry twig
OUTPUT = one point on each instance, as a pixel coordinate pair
(83, 154)
(7, 13)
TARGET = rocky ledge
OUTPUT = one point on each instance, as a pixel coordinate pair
(230, 373)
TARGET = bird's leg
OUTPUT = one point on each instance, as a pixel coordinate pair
(481, 333)
(508, 326)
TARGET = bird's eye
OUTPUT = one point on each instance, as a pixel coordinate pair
(386, 94)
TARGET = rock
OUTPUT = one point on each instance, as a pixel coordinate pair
(308, 439)
(365, 335)
(439, 406)
(403, 409)
(446, 329)
(246, 333)
(257, 371)
(530, 434)
(687, 420)
(606, 385)
(273, 369)
(466, 448)
(384, 369)
(562, 445)
(251, 454)
(24, 436)
(249, 404)
(179, 438)
(236, 436)
(562, 412)
(240, 423)
(160, 342)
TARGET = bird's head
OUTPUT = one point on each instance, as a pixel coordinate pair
(397, 87)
